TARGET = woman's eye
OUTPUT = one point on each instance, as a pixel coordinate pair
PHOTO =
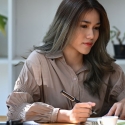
(84, 26)
(96, 28)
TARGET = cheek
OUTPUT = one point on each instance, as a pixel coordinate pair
(96, 36)
(77, 39)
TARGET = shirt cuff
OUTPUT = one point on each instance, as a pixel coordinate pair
(54, 114)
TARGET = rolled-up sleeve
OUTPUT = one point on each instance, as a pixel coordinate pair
(24, 102)
(117, 81)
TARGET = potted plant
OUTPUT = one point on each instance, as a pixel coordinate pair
(3, 21)
(119, 48)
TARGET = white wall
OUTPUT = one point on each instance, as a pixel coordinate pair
(3, 7)
(35, 19)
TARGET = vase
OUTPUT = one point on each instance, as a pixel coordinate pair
(119, 51)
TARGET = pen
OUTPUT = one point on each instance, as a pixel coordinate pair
(73, 99)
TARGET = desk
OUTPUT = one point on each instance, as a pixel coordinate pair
(3, 118)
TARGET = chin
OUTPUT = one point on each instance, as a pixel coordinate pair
(85, 52)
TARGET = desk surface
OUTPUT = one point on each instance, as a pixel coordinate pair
(3, 118)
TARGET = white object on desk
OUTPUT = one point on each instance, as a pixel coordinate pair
(30, 123)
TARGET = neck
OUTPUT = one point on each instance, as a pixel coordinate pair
(73, 58)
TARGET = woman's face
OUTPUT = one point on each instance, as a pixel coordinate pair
(86, 33)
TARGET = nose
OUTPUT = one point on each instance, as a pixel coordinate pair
(90, 34)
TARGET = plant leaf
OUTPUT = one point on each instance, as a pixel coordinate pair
(3, 21)
(112, 34)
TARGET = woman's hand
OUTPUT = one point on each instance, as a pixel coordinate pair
(79, 113)
(118, 109)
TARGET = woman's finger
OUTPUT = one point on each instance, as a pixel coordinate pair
(112, 110)
(92, 104)
(83, 115)
(118, 109)
(122, 114)
(83, 105)
(82, 119)
(82, 109)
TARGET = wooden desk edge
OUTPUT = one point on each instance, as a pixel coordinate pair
(3, 118)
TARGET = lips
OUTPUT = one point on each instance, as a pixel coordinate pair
(89, 44)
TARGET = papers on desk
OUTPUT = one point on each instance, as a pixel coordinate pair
(119, 122)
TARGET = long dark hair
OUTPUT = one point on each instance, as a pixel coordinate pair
(61, 32)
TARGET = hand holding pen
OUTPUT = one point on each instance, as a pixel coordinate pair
(73, 99)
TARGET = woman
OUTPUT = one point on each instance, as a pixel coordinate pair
(73, 58)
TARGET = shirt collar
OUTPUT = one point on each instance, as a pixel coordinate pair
(58, 54)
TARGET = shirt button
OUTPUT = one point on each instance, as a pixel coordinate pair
(74, 78)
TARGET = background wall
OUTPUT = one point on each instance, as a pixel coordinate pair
(35, 19)
(31, 20)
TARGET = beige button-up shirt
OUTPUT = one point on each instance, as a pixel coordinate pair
(36, 94)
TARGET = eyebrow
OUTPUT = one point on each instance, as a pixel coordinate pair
(90, 22)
